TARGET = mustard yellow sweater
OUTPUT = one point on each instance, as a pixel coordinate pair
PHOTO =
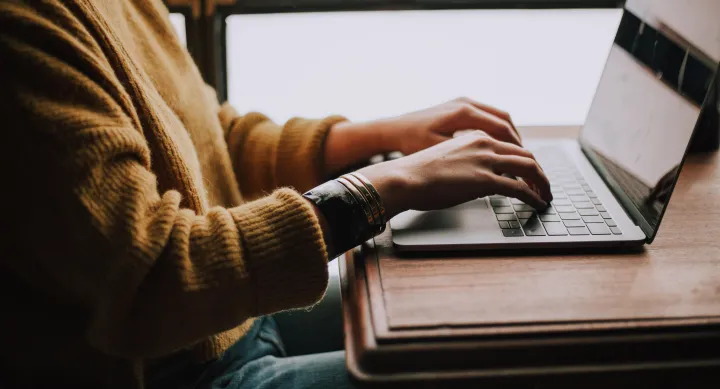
(123, 184)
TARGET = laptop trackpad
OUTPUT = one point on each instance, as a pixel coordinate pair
(465, 223)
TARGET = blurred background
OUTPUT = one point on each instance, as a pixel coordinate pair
(538, 59)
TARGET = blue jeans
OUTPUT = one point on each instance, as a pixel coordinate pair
(298, 349)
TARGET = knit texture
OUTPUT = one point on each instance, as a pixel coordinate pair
(145, 218)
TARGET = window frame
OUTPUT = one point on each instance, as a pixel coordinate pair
(185, 8)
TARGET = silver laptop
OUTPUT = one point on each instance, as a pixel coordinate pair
(611, 186)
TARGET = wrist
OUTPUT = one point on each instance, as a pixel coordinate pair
(350, 143)
(390, 184)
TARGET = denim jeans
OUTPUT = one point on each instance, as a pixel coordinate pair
(300, 349)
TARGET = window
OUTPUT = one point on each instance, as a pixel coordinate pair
(542, 65)
(538, 59)
(274, 6)
(178, 22)
(185, 25)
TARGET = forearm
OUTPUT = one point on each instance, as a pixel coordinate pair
(350, 143)
(264, 256)
(267, 156)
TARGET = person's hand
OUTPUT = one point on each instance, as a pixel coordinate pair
(348, 143)
(419, 130)
(458, 170)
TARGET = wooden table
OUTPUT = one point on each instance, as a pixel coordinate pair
(575, 319)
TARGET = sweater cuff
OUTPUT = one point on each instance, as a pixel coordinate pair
(286, 253)
(301, 152)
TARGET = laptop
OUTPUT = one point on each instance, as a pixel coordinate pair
(611, 186)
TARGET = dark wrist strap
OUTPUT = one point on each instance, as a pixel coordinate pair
(344, 214)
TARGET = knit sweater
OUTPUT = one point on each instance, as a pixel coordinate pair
(126, 196)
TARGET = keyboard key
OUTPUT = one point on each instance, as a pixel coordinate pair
(561, 202)
(504, 225)
(610, 223)
(591, 194)
(498, 202)
(516, 202)
(523, 207)
(564, 208)
(578, 230)
(575, 192)
(593, 219)
(601, 208)
(598, 229)
(584, 205)
(578, 198)
(513, 233)
(596, 201)
(582, 181)
(555, 229)
(505, 216)
(533, 227)
(524, 215)
(550, 218)
(587, 212)
(616, 230)
(572, 187)
(605, 215)
(587, 188)
(569, 215)
(574, 223)
(548, 211)
(523, 222)
(514, 224)
(504, 210)
(559, 196)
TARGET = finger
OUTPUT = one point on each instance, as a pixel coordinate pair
(492, 125)
(462, 133)
(526, 168)
(519, 190)
(505, 148)
(495, 111)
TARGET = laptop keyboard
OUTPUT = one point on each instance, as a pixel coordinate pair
(575, 209)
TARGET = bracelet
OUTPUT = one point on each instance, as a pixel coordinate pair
(376, 198)
(352, 208)
(367, 196)
(344, 214)
(360, 199)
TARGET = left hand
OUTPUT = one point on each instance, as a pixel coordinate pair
(349, 143)
(419, 130)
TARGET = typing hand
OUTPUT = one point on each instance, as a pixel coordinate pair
(419, 130)
(459, 170)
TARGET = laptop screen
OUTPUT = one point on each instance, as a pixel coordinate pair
(659, 72)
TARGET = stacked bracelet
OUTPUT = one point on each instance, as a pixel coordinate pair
(371, 196)
(352, 208)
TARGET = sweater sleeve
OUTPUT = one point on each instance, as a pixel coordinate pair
(267, 156)
(94, 230)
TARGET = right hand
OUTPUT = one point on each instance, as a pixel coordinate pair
(458, 170)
